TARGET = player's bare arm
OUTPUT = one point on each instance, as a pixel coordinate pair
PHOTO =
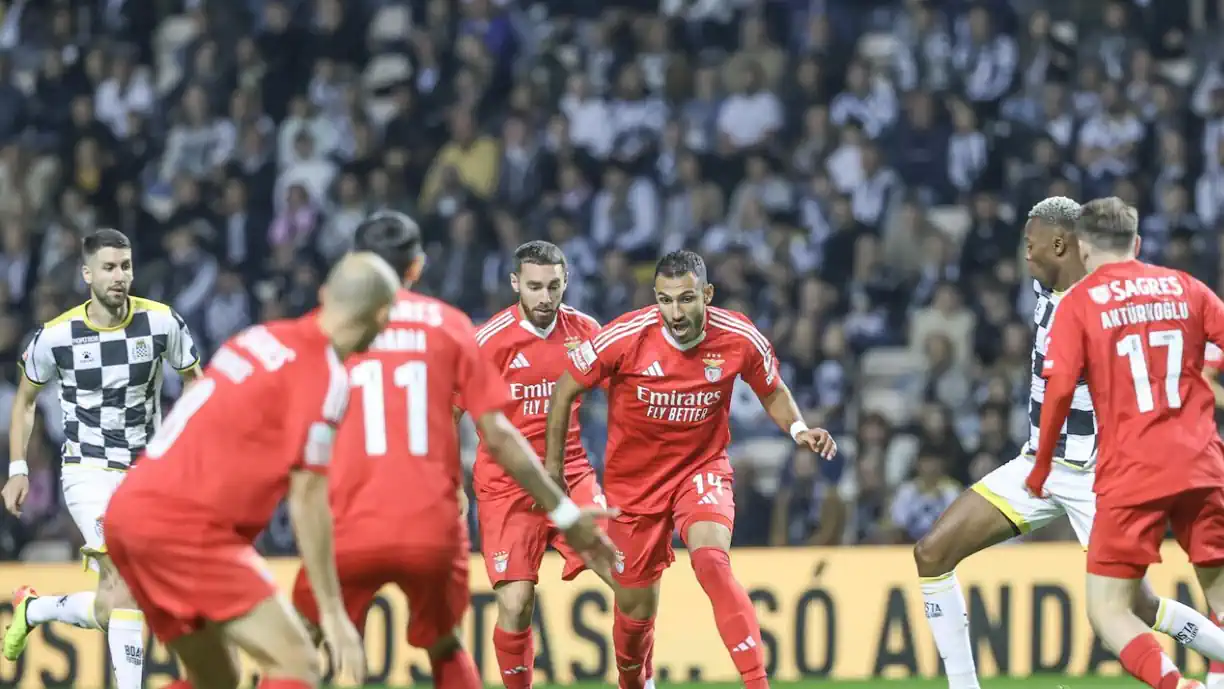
(514, 454)
(782, 408)
(565, 393)
(21, 426)
(312, 526)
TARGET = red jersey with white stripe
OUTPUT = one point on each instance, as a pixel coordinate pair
(266, 406)
(397, 453)
(530, 361)
(669, 405)
(1214, 358)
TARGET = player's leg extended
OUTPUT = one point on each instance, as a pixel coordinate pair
(992, 511)
(437, 591)
(643, 550)
(273, 636)
(709, 544)
(117, 612)
(513, 538)
(1211, 579)
(207, 660)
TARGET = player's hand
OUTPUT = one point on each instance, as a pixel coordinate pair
(590, 540)
(463, 504)
(1035, 483)
(15, 491)
(818, 440)
(344, 646)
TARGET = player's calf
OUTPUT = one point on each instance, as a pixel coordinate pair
(1181, 622)
(452, 666)
(1110, 611)
(116, 611)
(512, 637)
(709, 543)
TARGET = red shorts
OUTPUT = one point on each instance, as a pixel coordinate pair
(1125, 540)
(514, 533)
(183, 573)
(644, 541)
(433, 579)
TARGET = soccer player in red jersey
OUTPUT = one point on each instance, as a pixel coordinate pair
(670, 369)
(257, 426)
(1138, 334)
(396, 474)
(529, 343)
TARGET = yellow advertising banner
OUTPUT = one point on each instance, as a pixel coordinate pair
(844, 613)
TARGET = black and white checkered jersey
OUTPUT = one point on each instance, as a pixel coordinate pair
(1077, 443)
(109, 378)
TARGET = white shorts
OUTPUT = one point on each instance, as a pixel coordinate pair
(1070, 493)
(87, 491)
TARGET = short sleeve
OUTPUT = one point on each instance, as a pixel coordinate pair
(480, 388)
(38, 361)
(596, 359)
(320, 411)
(1211, 310)
(1065, 351)
(760, 368)
(1214, 357)
(181, 350)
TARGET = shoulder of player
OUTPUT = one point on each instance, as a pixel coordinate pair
(582, 320)
(737, 325)
(628, 326)
(159, 314)
(499, 324)
(65, 319)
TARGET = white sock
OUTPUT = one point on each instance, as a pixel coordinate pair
(649, 683)
(949, 621)
(76, 609)
(125, 637)
(1190, 629)
(1215, 680)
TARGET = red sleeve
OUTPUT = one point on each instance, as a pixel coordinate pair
(316, 411)
(479, 387)
(1211, 309)
(598, 358)
(1062, 367)
(760, 369)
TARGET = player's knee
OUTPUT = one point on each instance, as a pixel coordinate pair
(516, 604)
(1146, 605)
(638, 603)
(445, 646)
(296, 661)
(933, 557)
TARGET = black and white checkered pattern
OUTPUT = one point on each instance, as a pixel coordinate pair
(110, 380)
(1077, 444)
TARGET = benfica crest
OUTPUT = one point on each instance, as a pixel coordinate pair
(713, 367)
(572, 342)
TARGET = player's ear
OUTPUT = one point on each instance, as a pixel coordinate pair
(1138, 244)
(514, 283)
(413, 274)
(1059, 244)
(86, 274)
(708, 293)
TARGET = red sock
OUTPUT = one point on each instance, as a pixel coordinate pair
(733, 614)
(284, 683)
(1215, 667)
(1144, 659)
(515, 657)
(649, 664)
(455, 671)
(633, 641)
(178, 684)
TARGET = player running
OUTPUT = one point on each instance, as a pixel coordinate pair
(106, 355)
(1137, 333)
(670, 369)
(258, 425)
(998, 507)
(529, 343)
(396, 475)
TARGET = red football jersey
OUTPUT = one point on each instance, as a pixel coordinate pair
(264, 408)
(531, 361)
(397, 452)
(1139, 333)
(669, 405)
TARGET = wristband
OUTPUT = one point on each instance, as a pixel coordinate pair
(18, 467)
(797, 428)
(566, 515)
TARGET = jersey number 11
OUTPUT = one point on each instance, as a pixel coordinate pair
(1132, 348)
(409, 379)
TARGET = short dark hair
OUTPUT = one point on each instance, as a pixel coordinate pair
(392, 236)
(1108, 223)
(105, 238)
(680, 263)
(539, 253)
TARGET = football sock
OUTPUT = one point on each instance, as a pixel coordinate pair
(125, 636)
(649, 664)
(282, 683)
(949, 622)
(1144, 659)
(455, 670)
(1189, 628)
(734, 614)
(515, 657)
(179, 684)
(633, 640)
(1215, 668)
(76, 609)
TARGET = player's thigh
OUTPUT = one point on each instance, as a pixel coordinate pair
(275, 638)
(87, 492)
(586, 492)
(1197, 518)
(513, 538)
(437, 591)
(643, 548)
(207, 659)
(1126, 540)
(1072, 491)
(708, 496)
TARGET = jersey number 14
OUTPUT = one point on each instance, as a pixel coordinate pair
(409, 379)
(1132, 348)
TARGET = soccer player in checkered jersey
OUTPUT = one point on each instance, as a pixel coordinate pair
(107, 356)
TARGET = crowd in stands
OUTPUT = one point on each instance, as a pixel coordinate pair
(856, 173)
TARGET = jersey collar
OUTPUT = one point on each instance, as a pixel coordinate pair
(127, 320)
(685, 347)
(530, 327)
